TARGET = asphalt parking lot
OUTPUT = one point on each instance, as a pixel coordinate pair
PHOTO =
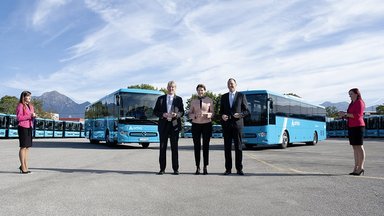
(73, 177)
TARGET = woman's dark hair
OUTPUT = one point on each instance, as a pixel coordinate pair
(200, 86)
(356, 91)
(23, 95)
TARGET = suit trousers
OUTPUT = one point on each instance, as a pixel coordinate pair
(198, 131)
(232, 133)
(173, 135)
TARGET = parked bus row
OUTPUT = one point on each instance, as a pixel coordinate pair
(217, 131)
(374, 127)
(43, 128)
(126, 116)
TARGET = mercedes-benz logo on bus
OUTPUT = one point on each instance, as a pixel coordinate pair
(144, 133)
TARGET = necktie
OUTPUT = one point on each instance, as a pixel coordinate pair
(231, 96)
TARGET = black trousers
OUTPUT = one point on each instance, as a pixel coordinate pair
(232, 133)
(198, 131)
(173, 135)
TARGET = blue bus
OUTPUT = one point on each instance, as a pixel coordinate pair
(12, 127)
(48, 128)
(58, 128)
(72, 129)
(217, 131)
(281, 119)
(187, 130)
(124, 116)
(39, 128)
(3, 125)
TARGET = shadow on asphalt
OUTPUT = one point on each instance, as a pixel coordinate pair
(83, 145)
(127, 172)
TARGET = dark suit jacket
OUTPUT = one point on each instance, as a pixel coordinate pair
(161, 107)
(240, 105)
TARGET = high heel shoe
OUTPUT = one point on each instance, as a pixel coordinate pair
(22, 172)
(359, 173)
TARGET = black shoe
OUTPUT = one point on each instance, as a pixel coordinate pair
(359, 173)
(161, 172)
(240, 172)
(23, 172)
(176, 172)
(205, 172)
(197, 171)
(227, 172)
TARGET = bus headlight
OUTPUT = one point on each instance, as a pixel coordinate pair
(124, 133)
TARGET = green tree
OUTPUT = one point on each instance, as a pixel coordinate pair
(38, 106)
(380, 109)
(216, 101)
(8, 104)
(293, 94)
(149, 87)
(331, 111)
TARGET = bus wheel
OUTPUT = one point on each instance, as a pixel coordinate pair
(144, 145)
(315, 139)
(285, 142)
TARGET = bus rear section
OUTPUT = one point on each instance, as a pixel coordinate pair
(277, 119)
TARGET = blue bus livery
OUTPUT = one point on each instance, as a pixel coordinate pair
(374, 127)
(217, 131)
(280, 119)
(187, 130)
(12, 127)
(3, 125)
(39, 128)
(124, 116)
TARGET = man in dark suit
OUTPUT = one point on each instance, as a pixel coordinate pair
(233, 108)
(169, 108)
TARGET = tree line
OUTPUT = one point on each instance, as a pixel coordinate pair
(8, 103)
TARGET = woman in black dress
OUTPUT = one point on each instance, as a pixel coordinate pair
(25, 114)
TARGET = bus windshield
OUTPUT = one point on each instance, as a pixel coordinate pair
(257, 104)
(137, 106)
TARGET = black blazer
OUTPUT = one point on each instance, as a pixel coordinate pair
(240, 105)
(161, 107)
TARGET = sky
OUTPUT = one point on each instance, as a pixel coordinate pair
(86, 49)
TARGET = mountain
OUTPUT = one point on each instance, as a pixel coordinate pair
(58, 103)
(343, 106)
(340, 106)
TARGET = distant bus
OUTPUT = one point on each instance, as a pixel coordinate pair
(123, 117)
(72, 129)
(58, 128)
(39, 128)
(48, 128)
(217, 131)
(374, 127)
(280, 119)
(187, 130)
(12, 127)
(3, 125)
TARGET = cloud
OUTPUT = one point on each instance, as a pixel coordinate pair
(318, 51)
(45, 9)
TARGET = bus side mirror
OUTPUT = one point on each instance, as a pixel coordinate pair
(270, 103)
(118, 100)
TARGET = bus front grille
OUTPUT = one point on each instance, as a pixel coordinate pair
(143, 134)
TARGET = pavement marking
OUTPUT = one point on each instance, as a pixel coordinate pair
(303, 172)
(274, 166)
(368, 177)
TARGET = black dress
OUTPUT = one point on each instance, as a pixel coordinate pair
(25, 137)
